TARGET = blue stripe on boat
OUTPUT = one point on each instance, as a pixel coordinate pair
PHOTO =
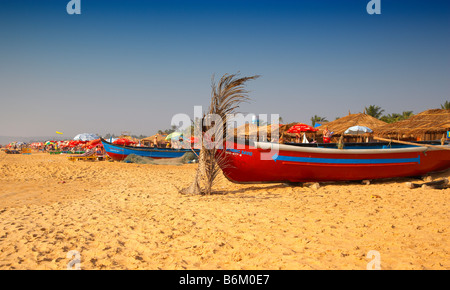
(277, 157)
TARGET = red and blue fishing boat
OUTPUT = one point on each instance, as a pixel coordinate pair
(264, 162)
(120, 152)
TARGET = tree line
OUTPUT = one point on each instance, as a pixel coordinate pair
(377, 112)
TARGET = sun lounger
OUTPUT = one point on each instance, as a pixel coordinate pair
(88, 155)
(100, 157)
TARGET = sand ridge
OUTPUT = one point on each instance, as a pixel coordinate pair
(129, 216)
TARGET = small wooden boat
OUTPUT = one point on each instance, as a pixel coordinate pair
(263, 162)
(120, 152)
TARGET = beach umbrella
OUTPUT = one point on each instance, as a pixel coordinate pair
(85, 137)
(91, 146)
(174, 135)
(93, 142)
(301, 128)
(355, 130)
(193, 139)
(74, 143)
(124, 141)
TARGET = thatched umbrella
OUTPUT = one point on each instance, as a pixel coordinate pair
(428, 125)
(266, 130)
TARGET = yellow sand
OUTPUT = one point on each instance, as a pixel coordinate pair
(129, 216)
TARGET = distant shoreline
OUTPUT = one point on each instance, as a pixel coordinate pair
(4, 140)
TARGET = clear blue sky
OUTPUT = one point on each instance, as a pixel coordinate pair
(131, 65)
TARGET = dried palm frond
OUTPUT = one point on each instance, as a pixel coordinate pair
(226, 97)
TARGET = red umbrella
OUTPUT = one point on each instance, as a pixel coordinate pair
(93, 142)
(301, 128)
(94, 145)
(124, 141)
(193, 139)
(75, 143)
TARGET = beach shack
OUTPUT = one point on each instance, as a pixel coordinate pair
(429, 125)
(339, 126)
(150, 141)
(255, 132)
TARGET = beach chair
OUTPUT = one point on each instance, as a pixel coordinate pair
(87, 156)
(100, 157)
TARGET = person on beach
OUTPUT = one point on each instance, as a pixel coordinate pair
(326, 135)
(99, 151)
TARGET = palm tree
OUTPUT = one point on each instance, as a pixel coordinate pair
(317, 119)
(374, 111)
(395, 117)
(446, 105)
(407, 115)
(391, 118)
(226, 97)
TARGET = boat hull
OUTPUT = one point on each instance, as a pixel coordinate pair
(266, 162)
(119, 153)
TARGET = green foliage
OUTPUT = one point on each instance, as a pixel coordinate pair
(446, 105)
(318, 119)
(167, 131)
(395, 117)
(374, 111)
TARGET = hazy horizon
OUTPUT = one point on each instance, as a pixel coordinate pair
(132, 65)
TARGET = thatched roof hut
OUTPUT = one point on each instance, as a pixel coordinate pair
(253, 130)
(428, 125)
(243, 130)
(151, 139)
(340, 125)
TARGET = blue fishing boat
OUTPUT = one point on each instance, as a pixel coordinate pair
(120, 152)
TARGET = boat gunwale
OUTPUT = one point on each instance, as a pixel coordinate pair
(293, 148)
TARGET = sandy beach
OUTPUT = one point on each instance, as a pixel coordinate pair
(130, 216)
